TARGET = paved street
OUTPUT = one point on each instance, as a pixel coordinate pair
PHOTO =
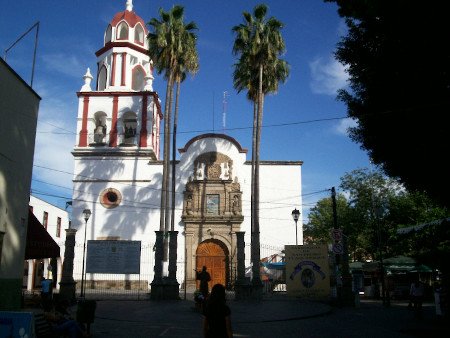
(273, 317)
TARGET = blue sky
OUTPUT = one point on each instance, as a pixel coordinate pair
(72, 30)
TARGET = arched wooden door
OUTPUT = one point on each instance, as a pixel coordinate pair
(213, 255)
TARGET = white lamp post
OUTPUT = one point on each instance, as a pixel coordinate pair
(86, 214)
(295, 216)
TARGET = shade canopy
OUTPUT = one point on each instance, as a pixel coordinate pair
(39, 242)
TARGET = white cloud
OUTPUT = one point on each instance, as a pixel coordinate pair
(55, 137)
(327, 76)
(52, 151)
(342, 127)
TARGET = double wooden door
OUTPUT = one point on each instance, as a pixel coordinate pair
(213, 256)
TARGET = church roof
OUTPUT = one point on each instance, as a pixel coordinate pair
(213, 135)
(130, 17)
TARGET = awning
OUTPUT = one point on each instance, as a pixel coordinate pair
(39, 242)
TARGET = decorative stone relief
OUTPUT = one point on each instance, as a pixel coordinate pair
(211, 181)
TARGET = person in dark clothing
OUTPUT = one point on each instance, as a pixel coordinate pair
(204, 278)
(216, 315)
(62, 323)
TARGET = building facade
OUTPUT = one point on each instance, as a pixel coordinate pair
(55, 220)
(19, 106)
(118, 171)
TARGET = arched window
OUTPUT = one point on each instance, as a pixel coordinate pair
(122, 31)
(129, 122)
(99, 127)
(108, 34)
(139, 34)
(101, 83)
(137, 82)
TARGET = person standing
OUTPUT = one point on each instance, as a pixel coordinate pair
(47, 289)
(204, 277)
(416, 292)
(216, 315)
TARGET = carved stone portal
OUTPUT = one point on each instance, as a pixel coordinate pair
(212, 211)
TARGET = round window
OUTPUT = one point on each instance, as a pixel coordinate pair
(110, 198)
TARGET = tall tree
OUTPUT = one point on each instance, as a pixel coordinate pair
(188, 62)
(167, 44)
(374, 209)
(259, 44)
(398, 62)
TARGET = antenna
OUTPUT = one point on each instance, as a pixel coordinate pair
(224, 113)
(35, 47)
(213, 110)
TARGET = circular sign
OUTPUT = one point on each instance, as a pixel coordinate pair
(336, 234)
(337, 248)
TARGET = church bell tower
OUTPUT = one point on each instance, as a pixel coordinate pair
(117, 146)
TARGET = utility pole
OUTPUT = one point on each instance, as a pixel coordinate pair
(344, 291)
(337, 258)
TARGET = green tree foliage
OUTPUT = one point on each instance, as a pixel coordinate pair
(399, 66)
(374, 208)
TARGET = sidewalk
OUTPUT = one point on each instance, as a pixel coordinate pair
(276, 316)
(181, 318)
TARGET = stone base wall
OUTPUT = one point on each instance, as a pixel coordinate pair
(115, 284)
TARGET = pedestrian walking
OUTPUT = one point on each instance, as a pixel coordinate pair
(204, 278)
(216, 315)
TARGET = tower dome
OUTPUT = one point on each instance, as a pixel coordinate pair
(123, 61)
(127, 26)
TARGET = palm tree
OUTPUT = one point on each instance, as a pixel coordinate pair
(187, 63)
(259, 44)
(169, 39)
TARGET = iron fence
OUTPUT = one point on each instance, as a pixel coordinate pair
(137, 286)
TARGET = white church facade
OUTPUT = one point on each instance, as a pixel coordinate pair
(118, 171)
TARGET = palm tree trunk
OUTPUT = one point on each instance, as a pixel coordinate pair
(252, 201)
(174, 149)
(173, 239)
(255, 233)
(167, 165)
(164, 174)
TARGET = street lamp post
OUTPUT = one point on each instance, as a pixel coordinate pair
(86, 214)
(296, 216)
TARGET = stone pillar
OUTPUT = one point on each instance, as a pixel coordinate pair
(67, 283)
(173, 255)
(157, 290)
(171, 286)
(190, 263)
(242, 286)
(257, 286)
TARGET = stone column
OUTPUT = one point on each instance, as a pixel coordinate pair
(173, 255)
(242, 286)
(257, 286)
(157, 291)
(171, 286)
(240, 255)
(190, 262)
(67, 283)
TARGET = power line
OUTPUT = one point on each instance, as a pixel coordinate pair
(158, 189)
